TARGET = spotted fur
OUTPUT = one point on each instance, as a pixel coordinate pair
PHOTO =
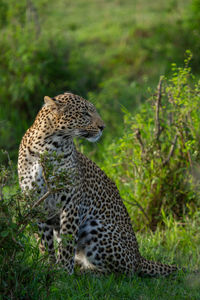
(92, 225)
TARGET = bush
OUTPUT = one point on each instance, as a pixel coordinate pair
(156, 162)
(23, 270)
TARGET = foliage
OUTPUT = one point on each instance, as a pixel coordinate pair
(20, 261)
(156, 162)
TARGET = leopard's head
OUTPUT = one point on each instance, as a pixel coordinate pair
(75, 116)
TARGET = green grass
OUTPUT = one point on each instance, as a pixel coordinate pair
(27, 274)
(123, 38)
(112, 287)
(177, 244)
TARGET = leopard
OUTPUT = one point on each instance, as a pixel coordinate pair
(86, 216)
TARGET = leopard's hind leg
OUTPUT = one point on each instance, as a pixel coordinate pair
(102, 248)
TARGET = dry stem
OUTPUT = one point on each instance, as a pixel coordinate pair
(138, 136)
(171, 152)
(158, 105)
(140, 207)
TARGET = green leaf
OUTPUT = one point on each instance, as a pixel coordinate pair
(4, 233)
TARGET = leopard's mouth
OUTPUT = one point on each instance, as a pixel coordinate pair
(92, 136)
(86, 135)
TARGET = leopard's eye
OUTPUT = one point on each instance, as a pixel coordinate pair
(85, 113)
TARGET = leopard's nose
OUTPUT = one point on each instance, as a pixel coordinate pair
(101, 127)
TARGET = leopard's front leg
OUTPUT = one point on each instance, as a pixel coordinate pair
(69, 225)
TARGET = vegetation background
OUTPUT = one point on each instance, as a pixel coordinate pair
(112, 53)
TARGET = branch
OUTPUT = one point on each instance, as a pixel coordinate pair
(36, 204)
(171, 152)
(39, 201)
(5, 178)
(138, 136)
(32, 15)
(18, 243)
(44, 174)
(158, 105)
(26, 219)
(140, 207)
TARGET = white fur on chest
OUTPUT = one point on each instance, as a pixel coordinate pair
(32, 177)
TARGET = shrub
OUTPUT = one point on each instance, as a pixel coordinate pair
(23, 270)
(156, 162)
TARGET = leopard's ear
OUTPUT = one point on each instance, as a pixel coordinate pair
(49, 101)
(53, 104)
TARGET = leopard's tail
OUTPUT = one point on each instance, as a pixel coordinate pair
(154, 269)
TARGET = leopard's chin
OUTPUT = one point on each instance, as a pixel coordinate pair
(94, 138)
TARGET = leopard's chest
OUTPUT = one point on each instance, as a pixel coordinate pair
(31, 176)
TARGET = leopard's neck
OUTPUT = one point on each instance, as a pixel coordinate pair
(34, 144)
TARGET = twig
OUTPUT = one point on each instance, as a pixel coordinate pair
(49, 191)
(32, 15)
(39, 201)
(4, 180)
(138, 136)
(18, 243)
(44, 174)
(158, 105)
(34, 205)
(1, 192)
(171, 152)
(140, 207)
